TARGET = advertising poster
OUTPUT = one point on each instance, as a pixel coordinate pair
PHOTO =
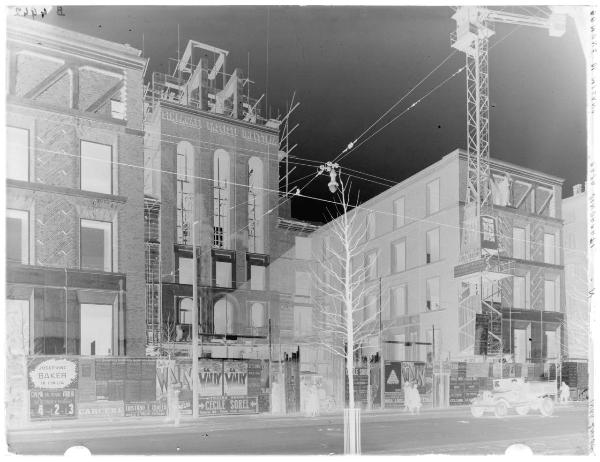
(215, 405)
(393, 395)
(52, 373)
(254, 377)
(210, 372)
(87, 380)
(236, 378)
(146, 409)
(52, 404)
(361, 385)
(102, 409)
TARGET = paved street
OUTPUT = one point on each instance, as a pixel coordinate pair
(452, 431)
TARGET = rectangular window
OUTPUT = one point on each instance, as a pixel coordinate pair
(399, 256)
(551, 345)
(96, 329)
(303, 248)
(186, 270)
(433, 197)
(549, 295)
(520, 345)
(302, 321)
(433, 245)
(399, 212)
(370, 234)
(519, 243)
(399, 299)
(96, 245)
(519, 292)
(96, 167)
(17, 154)
(223, 276)
(433, 294)
(17, 236)
(302, 284)
(117, 109)
(257, 277)
(371, 308)
(549, 248)
(371, 266)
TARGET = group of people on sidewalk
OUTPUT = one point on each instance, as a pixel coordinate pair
(412, 398)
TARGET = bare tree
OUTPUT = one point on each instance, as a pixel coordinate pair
(345, 318)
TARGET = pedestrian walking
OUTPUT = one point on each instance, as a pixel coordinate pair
(406, 390)
(416, 398)
(565, 391)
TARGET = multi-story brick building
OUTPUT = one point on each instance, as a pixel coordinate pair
(429, 296)
(575, 248)
(199, 131)
(75, 282)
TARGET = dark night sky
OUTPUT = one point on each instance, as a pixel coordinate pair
(349, 64)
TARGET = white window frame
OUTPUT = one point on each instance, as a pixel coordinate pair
(519, 243)
(370, 226)
(22, 173)
(399, 261)
(433, 196)
(90, 165)
(432, 305)
(94, 328)
(258, 277)
(399, 212)
(23, 217)
(399, 294)
(371, 270)
(257, 319)
(550, 293)
(302, 320)
(432, 244)
(550, 248)
(107, 227)
(223, 273)
(188, 265)
(302, 281)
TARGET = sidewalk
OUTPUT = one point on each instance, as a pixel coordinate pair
(213, 422)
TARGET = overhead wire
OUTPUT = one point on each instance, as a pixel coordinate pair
(320, 199)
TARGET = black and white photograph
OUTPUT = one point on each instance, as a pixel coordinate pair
(322, 229)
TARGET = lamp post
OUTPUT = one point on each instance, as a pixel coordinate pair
(330, 168)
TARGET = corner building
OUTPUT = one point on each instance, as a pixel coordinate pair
(429, 297)
(75, 281)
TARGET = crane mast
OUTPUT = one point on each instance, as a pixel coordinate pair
(480, 288)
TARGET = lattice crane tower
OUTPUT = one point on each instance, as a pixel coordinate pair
(474, 27)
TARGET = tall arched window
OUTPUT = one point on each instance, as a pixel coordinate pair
(223, 314)
(185, 163)
(221, 199)
(255, 206)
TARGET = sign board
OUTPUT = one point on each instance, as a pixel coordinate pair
(214, 405)
(52, 374)
(361, 383)
(52, 404)
(101, 409)
(144, 409)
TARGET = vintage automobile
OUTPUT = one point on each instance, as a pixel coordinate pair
(516, 393)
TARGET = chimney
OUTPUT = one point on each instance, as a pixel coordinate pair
(577, 189)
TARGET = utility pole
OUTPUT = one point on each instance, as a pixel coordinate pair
(195, 313)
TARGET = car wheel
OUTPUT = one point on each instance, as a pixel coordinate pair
(477, 411)
(501, 409)
(522, 410)
(547, 407)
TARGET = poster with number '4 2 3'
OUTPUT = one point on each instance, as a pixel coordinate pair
(52, 404)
